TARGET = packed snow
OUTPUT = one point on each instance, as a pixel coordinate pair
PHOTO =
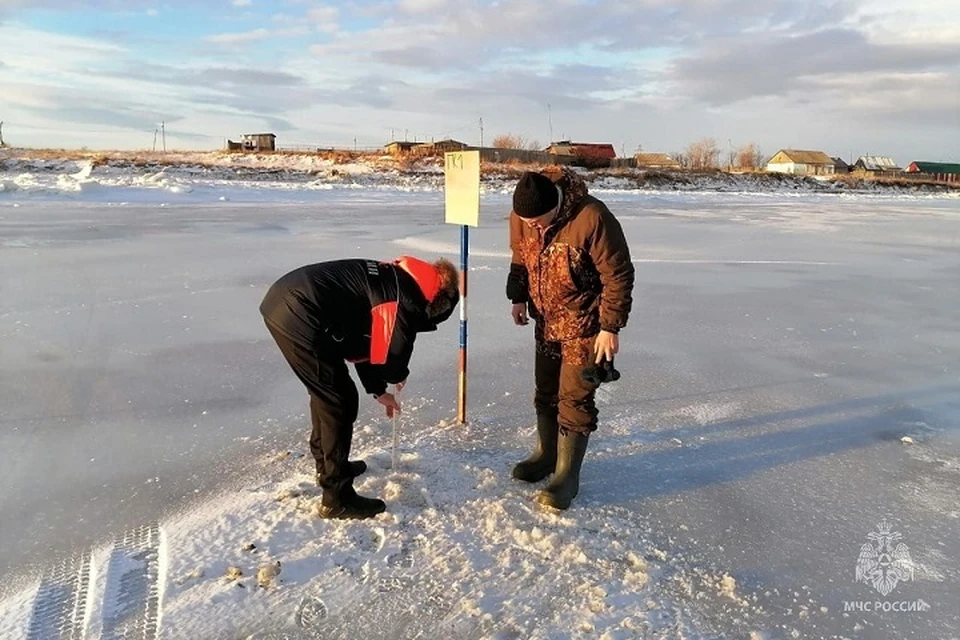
(783, 348)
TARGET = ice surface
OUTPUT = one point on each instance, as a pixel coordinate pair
(780, 348)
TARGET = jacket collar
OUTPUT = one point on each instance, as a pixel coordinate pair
(423, 273)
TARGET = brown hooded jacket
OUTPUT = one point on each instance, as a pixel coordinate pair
(577, 278)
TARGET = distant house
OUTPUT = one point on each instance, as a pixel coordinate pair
(442, 146)
(586, 154)
(876, 165)
(945, 171)
(582, 149)
(259, 142)
(655, 161)
(399, 147)
(839, 166)
(801, 162)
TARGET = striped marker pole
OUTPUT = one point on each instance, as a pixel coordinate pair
(464, 251)
(462, 208)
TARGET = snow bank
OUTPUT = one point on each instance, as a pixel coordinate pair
(215, 172)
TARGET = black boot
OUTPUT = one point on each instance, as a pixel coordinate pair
(544, 459)
(354, 468)
(349, 505)
(566, 482)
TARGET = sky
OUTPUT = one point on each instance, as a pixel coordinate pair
(847, 77)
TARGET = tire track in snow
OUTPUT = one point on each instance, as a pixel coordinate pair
(60, 608)
(131, 604)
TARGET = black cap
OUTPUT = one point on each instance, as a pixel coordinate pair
(442, 308)
(534, 196)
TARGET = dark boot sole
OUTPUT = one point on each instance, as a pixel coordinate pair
(343, 513)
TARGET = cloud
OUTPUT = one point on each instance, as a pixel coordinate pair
(11, 7)
(418, 7)
(726, 71)
(573, 87)
(256, 35)
(242, 3)
(242, 78)
(932, 98)
(464, 35)
(657, 71)
(240, 38)
(115, 115)
(324, 18)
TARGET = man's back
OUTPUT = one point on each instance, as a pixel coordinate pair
(319, 300)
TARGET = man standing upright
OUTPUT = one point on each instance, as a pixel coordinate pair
(571, 270)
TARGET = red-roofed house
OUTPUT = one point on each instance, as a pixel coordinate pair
(590, 154)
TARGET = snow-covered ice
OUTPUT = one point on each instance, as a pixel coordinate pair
(781, 347)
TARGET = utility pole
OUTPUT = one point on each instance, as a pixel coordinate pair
(155, 132)
(2, 143)
(354, 144)
(550, 121)
(481, 133)
(163, 133)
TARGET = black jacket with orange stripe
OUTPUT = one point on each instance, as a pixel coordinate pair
(363, 311)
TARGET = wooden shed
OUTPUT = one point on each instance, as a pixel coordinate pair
(877, 166)
(259, 142)
(400, 147)
(655, 161)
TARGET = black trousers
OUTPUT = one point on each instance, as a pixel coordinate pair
(334, 403)
(563, 395)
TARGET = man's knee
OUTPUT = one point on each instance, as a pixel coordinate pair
(545, 404)
(578, 415)
(578, 409)
(346, 390)
(351, 405)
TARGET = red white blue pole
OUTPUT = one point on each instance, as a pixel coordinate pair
(464, 251)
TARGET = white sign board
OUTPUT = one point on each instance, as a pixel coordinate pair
(462, 187)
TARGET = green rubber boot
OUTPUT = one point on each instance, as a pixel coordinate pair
(544, 459)
(566, 481)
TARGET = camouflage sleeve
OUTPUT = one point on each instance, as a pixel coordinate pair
(518, 288)
(611, 256)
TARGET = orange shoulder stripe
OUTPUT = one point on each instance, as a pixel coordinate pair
(384, 320)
